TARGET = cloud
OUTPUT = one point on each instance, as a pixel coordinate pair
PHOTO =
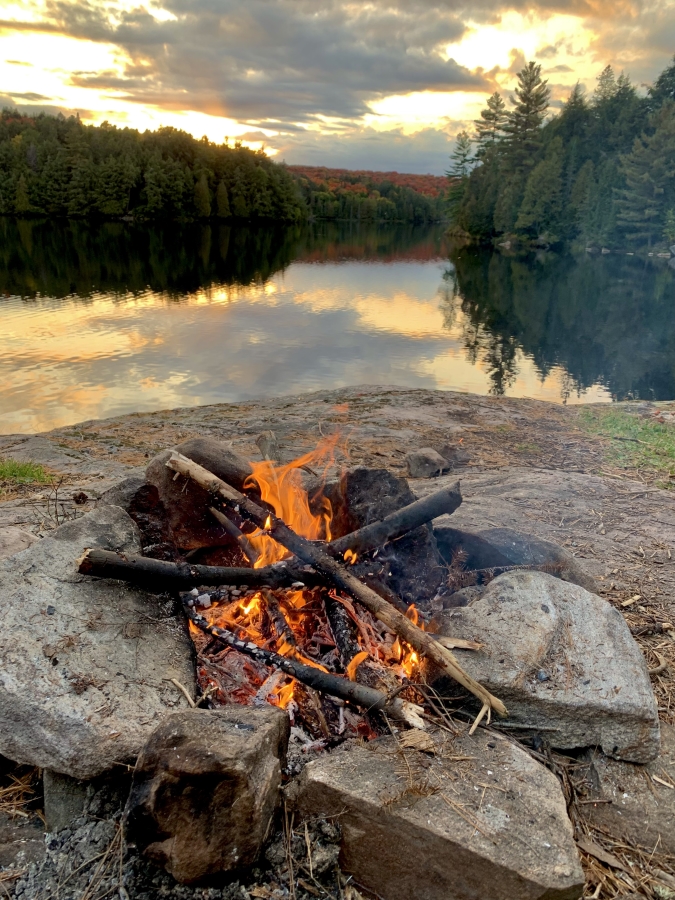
(425, 152)
(286, 60)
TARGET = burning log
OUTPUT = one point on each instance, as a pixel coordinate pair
(167, 575)
(334, 685)
(395, 525)
(337, 575)
(281, 627)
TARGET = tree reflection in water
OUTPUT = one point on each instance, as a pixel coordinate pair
(606, 320)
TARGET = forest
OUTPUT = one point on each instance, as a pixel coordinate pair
(58, 166)
(601, 172)
(372, 196)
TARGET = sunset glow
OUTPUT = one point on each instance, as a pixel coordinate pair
(291, 77)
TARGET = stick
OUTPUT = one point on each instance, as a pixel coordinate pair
(365, 697)
(398, 523)
(334, 572)
(342, 629)
(281, 627)
(245, 545)
(159, 574)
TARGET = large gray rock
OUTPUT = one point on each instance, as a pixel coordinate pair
(186, 506)
(86, 663)
(480, 819)
(494, 547)
(206, 787)
(425, 463)
(563, 660)
(411, 566)
(635, 802)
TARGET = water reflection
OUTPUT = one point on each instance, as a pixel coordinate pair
(110, 319)
(606, 320)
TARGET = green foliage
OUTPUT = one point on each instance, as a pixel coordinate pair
(202, 197)
(14, 472)
(21, 201)
(541, 210)
(223, 201)
(50, 165)
(669, 226)
(602, 171)
(649, 175)
(635, 443)
(490, 126)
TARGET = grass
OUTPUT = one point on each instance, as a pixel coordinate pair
(14, 472)
(635, 442)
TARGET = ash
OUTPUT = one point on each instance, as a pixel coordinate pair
(89, 861)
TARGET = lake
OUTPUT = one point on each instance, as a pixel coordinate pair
(105, 319)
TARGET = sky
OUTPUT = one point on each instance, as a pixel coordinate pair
(383, 85)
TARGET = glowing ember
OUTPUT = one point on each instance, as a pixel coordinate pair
(350, 557)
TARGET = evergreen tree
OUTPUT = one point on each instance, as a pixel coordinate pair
(461, 157)
(542, 208)
(523, 127)
(606, 87)
(663, 89)
(21, 200)
(490, 126)
(202, 197)
(223, 201)
(460, 166)
(649, 172)
(669, 226)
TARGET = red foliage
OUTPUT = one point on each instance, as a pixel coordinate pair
(359, 182)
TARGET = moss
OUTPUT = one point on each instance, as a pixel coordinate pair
(634, 442)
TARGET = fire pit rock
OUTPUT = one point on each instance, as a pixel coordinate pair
(563, 660)
(186, 505)
(478, 818)
(206, 787)
(87, 662)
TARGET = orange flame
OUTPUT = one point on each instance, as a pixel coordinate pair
(350, 557)
(281, 487)
(285, 695)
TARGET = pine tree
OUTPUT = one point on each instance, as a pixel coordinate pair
(458, 173)
(223, 201)
(460, 158)
(542, 206)
(663, 88)
(523, 128)
(21, 200)
(649, 171)
(490, 126)
(607, 86)
(202, 197)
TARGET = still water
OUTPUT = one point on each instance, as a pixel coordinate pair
(100, 320)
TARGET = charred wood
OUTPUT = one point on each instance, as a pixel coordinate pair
(399, 523)
(324, 682)
(157, 574)
(339, 576)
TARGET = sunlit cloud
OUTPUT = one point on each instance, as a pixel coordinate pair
(296, 72)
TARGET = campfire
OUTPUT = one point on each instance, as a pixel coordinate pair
(311, 624)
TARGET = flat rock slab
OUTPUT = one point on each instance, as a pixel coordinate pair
(635, 802)
(479, 818)
(86, 663)
(206, 787)
(14, 540)
(563, 660)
